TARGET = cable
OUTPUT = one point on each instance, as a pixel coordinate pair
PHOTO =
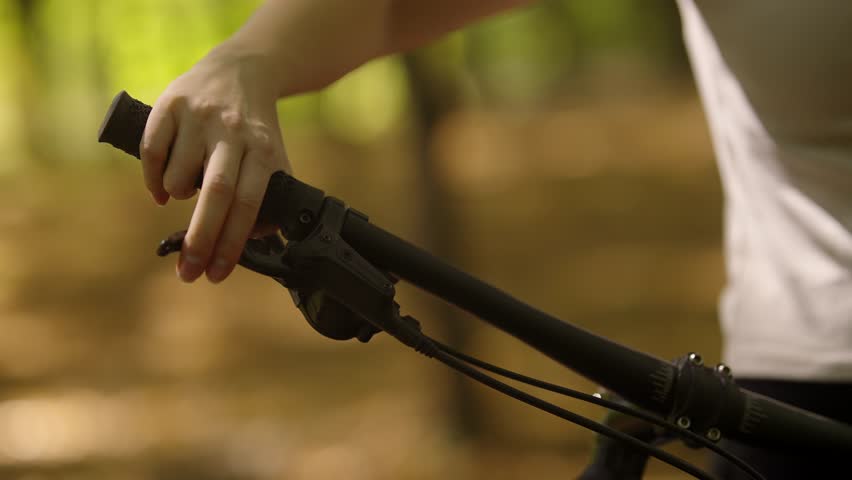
(464, 368)
(603, 403)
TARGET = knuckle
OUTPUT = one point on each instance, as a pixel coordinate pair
(263, 142)
(173, 101)
(269, 155)
(151, 153)
(220, 184)
(177, 188)
(204, 109)
(198, 244)
(232, 121)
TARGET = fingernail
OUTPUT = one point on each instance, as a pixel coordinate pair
(189, 268)
(218, 270)
(160, 200)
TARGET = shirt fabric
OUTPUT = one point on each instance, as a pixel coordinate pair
(775, 78)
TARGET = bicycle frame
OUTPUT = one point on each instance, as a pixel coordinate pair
(701, 399)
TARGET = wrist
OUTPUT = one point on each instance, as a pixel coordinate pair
(256, 65)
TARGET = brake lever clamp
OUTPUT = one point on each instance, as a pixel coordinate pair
(340, 294)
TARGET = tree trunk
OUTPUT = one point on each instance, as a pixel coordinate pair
(29, 81)
(435, 96)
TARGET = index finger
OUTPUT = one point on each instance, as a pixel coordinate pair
(154, 148)
(217, 193)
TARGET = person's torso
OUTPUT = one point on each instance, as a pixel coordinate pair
(776, 80)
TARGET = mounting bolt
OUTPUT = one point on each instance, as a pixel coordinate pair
(714, 434)
(305, 217)
(684, 422)
(695, 359)
(724, 370)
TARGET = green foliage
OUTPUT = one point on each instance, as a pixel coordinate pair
(68, 59)
(10, 54)
(523, 55)
(148, 44)
(374, 96)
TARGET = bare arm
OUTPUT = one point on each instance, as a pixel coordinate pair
(313, 43)
(220, 115)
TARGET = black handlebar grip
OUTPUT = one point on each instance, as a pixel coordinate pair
(124, 123)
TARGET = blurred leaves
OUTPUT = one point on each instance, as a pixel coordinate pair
(71, 57)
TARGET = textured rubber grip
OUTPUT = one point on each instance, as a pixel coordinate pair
(124, 123)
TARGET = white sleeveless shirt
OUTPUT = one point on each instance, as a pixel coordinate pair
(775, 77)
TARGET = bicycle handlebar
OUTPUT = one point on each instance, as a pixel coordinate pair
(708, 398)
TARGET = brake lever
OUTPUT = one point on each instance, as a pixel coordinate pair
(270, 256)
(263, 255)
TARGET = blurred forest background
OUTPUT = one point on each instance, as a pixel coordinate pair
(558, 152)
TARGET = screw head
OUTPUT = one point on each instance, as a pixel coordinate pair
(724, 370)
(684, 422)
(305, 217)
(695, 359)
(714, 434)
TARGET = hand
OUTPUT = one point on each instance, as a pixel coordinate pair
(219, 118)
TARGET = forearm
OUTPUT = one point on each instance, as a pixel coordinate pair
(307, 44)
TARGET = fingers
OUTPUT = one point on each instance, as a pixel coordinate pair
(176, 143)
(154, 148)
(211, 211)
(254, 177)
(239, 139)
(185, 160)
